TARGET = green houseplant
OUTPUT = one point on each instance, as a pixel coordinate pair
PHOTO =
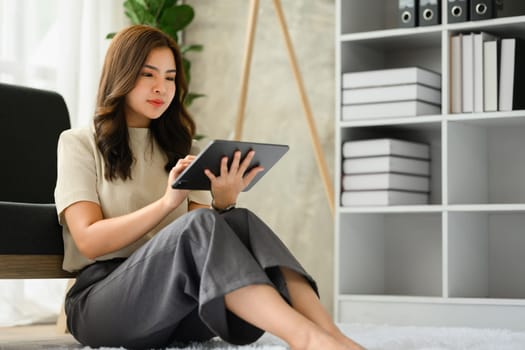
(170, 17)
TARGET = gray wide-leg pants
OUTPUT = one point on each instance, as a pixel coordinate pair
(172, 288)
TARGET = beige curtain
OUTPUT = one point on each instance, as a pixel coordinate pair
(56, 45)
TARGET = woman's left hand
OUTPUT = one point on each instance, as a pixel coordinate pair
(226, 187)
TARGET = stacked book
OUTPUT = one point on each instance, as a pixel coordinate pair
(389, 93)
(385, 172)
(486, 73)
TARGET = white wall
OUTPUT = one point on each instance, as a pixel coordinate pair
(291, 197)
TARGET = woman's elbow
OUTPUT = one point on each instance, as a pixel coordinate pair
(87, 249)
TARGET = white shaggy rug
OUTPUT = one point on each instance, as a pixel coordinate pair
(375, 337)
(434, 338)
(370, 336)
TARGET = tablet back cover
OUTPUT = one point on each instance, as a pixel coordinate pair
(193, 177)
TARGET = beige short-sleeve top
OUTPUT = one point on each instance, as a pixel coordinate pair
(80, 177)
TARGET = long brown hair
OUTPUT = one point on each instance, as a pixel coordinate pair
(173, 130)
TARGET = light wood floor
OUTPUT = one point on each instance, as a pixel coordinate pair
(32, 334)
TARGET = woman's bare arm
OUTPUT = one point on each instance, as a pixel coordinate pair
(95, 235)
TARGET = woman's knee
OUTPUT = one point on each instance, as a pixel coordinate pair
(200, 224)
(196, 221)
(237, 214)
(201, 214)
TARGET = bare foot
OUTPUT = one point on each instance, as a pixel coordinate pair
(318, 339)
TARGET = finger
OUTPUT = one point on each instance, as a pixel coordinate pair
(177, 165)
(182, 164)
(224, 166)
(248, 178)
(174, 172)
(210, 175)
(234, 167)
(246, 161)
(189, 159)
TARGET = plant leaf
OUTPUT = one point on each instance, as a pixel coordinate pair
(134, 11)
(186, 65)
(170, 31)
(170, 3)
(199, 137)
(154, 7)
(187, 48)
(142, 3)
(149, 19)
(110, 35)
(177, 17)
(192, 96)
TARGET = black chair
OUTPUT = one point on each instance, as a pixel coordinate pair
(31, 121)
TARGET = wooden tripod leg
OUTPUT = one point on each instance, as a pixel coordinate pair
(252, 24)
(321, 162)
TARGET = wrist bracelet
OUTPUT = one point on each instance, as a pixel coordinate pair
(223, 210)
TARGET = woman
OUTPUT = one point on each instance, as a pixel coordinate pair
(157, 266)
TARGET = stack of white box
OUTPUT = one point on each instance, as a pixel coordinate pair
(390, 93)
(385, 172)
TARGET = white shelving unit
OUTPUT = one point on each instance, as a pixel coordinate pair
(460, 260)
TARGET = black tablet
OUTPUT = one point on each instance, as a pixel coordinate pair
(193, 177)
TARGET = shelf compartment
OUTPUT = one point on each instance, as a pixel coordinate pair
(440, 312)
(429, 133)
(421, 49)
(390, 254)
(382, 15)
(485, 258)
(363, 16)
(513, 26)
(486, 162)
(380, 19)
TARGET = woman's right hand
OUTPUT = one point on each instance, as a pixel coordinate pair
(174, 197)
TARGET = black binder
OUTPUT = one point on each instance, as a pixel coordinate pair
(458, 11)
(407, 13)
(515, 86)
(482, 9)
(506, 8)
(429, 12)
